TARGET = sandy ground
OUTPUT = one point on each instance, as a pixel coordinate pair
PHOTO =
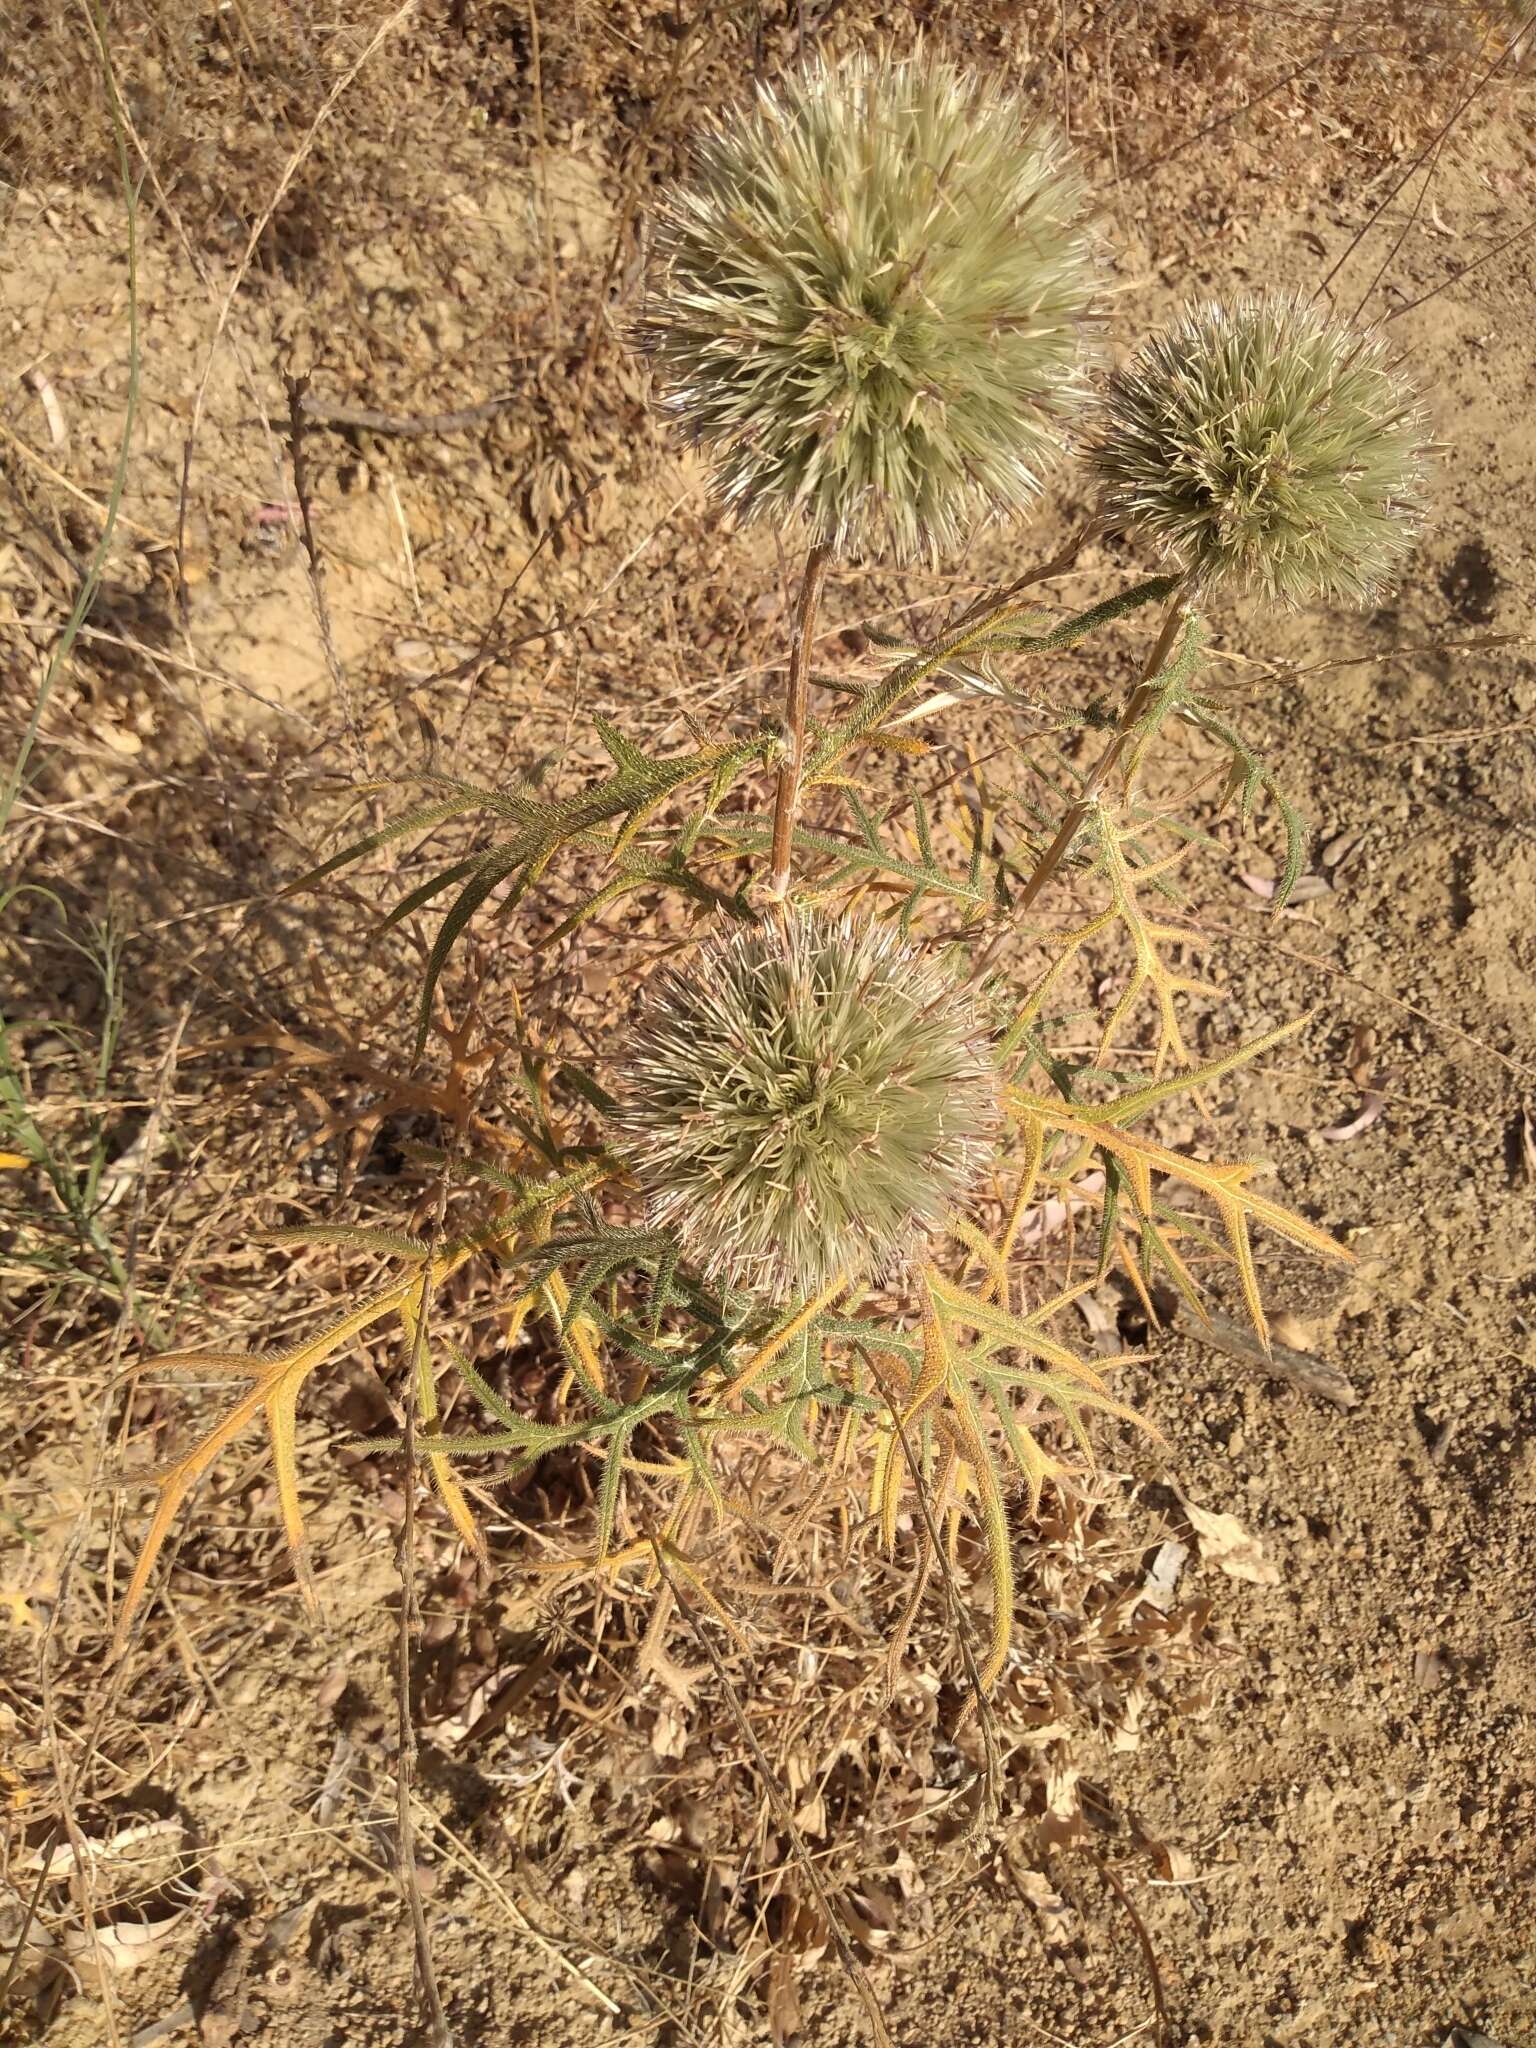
(1317, 1820)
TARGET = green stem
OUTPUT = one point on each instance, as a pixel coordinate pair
(987, 630)
(1055, 853)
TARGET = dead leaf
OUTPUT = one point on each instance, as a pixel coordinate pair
(1363, 1042)
(127, 1841)
(1225, 1543)
(1176, 1865)
(1097, 1314)
(123, 1944)
(1338, 849)
(908, 1876)
(878, 1907)
(48, 399)
(1056, 1928)
(785, 2020)
(1062, 1822)
(669, 1737)
(1127, 1734)
(1049, 1217)
(1371, 1105)
(339, 1778)
(1306, 890)
(1047, 1732)
(1292, 1332)
(1428, 1668)
(118, 738)
(18, 1607)
(812, 1816)
(681, 1680)
(1160, 1587)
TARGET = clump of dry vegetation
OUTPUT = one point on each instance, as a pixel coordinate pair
(810, 1106)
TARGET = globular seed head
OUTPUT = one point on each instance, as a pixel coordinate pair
(869, 302)
(1266, 445)
(808, 1097)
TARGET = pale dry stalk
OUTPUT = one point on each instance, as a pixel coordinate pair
(786, 798)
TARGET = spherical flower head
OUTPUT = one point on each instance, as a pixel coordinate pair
(808, 1098)
(1265, 445)
(870, 301)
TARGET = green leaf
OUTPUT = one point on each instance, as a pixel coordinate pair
(423, 895)
(608, 1491)
(625, 755)
(1295, 848)
(491, 869)
(419, 820)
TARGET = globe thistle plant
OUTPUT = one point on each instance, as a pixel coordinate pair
(870, 303)
(1265, 445)
(809, 1098)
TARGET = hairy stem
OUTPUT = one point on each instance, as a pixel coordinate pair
(1055, 853)
(981, 627)
(797, 697)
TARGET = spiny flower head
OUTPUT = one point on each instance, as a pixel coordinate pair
(1266, 445)
(809, 1097)
(870, 303)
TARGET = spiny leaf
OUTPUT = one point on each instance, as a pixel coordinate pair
(491, 869)
(276, 1382)
(963, 1419)
(933, 1375)
(414, 1314)
(1250, 774)
(640, 872)
(859, 860)
(432, 887)
(1152, 590)
(608, 1492)
(1295, 846)
(1136, 1102)
(422, 819)
(625, 755)
(994, 1320)
(1224, 1186)
(1037, 1465)
(356, 1236)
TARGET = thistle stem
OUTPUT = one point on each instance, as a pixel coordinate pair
(797, 698)
(1100, 773)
